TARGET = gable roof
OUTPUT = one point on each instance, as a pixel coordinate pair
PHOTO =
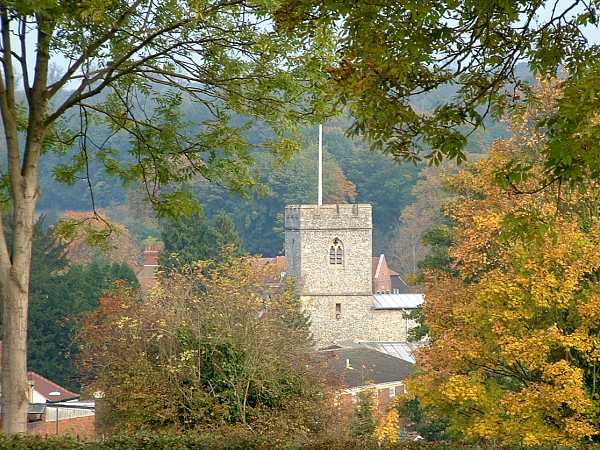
(361, 366)
(44, 386)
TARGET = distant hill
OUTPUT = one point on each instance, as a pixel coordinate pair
(352, 173)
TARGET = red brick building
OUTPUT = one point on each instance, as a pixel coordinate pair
(146, 274)
(360, 368)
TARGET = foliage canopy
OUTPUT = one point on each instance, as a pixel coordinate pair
(468, 53)
(211, 348)
(513, 329)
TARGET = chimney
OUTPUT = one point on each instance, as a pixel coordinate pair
(31, 387)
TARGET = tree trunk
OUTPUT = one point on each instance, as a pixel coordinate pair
(15, 268)
(15, 295)
(15, 399)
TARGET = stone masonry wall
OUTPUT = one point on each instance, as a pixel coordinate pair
(310, 232)
(358, 320)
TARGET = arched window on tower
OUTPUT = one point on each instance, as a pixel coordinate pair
(336, 252)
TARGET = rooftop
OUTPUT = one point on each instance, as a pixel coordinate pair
(397, 301)
(44, 386)
(361, 366)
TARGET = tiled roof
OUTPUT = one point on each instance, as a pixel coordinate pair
(360, 366)
(374, 264)
(44, 386)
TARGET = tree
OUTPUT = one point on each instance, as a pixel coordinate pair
(467, 53)
(425, 423)
(99, 237)
(191, 239)
(513, 327)
(54, 305)
(212, 348)
(131, 64)
(259, 219)
(363, 419)
(408, 245)
(58, 292)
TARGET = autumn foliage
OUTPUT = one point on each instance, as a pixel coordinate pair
(211, 349)
(88, 234)
(514, 337)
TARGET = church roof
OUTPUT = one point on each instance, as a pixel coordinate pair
(397, 301)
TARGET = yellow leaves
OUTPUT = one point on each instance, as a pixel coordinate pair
(126, 322)
(462, 389)
(515, 336)
(387, 430)
(579, 340)
(590, 309)
(595, 119)
(532, 349)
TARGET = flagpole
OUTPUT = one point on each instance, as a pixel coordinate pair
(320, 189)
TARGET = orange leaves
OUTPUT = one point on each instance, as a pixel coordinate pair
(515, 337)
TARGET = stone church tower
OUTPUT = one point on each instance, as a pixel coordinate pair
(329, 250)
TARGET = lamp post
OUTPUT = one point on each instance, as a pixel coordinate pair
(55, 394)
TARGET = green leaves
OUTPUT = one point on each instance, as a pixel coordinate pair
(129, 71)
(574, 129)
(176, 204)
(389, 54)
(192, 238)
(514, 172)
(526, 226)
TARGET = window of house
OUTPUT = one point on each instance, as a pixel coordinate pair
(392, 392)
(336, 252)
(338, 311)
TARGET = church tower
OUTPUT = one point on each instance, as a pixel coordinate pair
(328, 250)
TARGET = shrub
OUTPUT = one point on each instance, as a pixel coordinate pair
(224, 442)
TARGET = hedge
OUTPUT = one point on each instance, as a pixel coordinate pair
(194, 442)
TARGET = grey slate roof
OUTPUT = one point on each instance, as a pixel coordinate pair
(360, 366)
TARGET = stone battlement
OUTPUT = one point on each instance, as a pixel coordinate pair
(328, 217)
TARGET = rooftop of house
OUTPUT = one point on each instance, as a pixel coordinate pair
(402, 350)
(44, 386)
(378, 264)
(359, 365)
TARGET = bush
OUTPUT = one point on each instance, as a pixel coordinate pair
(219, 442)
